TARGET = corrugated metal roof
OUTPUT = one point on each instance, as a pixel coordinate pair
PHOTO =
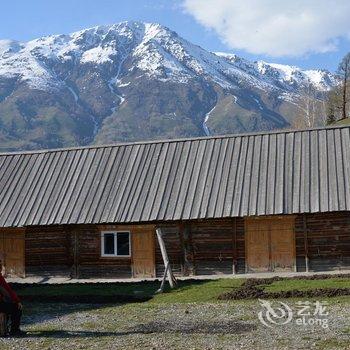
(256, 174)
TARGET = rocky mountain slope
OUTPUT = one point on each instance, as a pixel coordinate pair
(136, 81)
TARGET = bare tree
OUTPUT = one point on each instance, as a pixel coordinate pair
(344, 72)
(311, 107)
(330, 115)
(334, 105)
(324, 109)
(308, 108)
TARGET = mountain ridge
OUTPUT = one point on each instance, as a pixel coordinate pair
(135, 80)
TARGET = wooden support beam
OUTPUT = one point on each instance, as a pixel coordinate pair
(167, 266)
(306, 244)
(162, 285)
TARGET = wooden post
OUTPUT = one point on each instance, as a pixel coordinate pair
(191, 251)
(234, 247)
(186, 249)
(183, 249)
(75, 255)
(167, 266)
(306, 245)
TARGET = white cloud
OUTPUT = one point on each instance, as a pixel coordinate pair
(275, 27)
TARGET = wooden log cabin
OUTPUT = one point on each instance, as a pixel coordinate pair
(228, 204)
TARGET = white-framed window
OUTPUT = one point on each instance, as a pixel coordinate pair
(115, 244)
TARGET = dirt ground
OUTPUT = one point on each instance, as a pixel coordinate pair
(220, 325)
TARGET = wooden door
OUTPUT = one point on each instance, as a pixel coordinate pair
(270, 244)
(12, 244)
(143, 253)
(257, 246)
(282, 245)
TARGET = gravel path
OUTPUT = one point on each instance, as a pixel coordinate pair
(229, 325)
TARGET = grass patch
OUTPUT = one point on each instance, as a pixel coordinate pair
(302, 284)
(207, 291)
(188, 291)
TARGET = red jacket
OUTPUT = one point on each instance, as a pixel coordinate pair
(6, 292)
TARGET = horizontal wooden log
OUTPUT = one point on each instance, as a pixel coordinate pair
(51, 248)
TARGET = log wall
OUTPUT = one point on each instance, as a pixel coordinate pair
(71, 251)
(326, 240)
(218, 246)
(197, 247)
(214, 247)
(48, 251)
(172, 240)
(86, 247)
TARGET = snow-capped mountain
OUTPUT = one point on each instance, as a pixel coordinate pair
(136, 80)
(283, 76)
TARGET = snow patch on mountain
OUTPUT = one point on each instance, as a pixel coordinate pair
(154, 50)
(28, 69)
(206, 118)
(288, 76)
(321, 80)
(74, 94)
(9, 46)
(98, 55)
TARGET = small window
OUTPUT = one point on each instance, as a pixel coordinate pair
(115, 244)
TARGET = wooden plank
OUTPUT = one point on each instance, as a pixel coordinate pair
(252, 195)
(271, 176)
(12, 252)
(143, 254)
(282, 245)
(279, 173)
(270, 244)
(306, 245)
(257, 246)
(262, 181)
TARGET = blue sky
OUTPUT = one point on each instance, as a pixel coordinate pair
(24, 20)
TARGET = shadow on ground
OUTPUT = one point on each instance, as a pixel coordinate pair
(45, 302)
(193, 327)
(186, 327)
(94, 293)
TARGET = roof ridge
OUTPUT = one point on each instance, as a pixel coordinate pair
(198, 138)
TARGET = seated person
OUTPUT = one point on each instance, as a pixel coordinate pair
(10, 305)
